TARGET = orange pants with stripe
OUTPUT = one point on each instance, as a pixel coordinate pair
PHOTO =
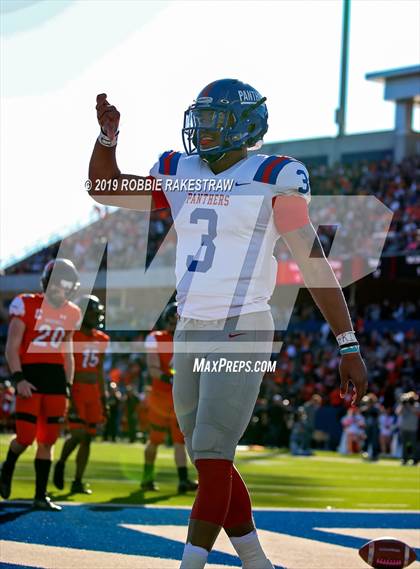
(86, 407)
(162, 418)
(39, 417)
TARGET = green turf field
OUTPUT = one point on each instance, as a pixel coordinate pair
(275, 479)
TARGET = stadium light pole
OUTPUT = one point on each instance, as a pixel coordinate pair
(340, 118)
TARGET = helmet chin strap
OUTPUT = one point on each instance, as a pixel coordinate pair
(213, 158)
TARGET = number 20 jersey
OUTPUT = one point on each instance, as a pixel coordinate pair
(45, 329)
(224, 262)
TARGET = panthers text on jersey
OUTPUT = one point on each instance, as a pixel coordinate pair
(45, 328)
(224, 263)
(87, 349)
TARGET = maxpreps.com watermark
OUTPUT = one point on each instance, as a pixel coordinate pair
(159, 185)
(233, 366)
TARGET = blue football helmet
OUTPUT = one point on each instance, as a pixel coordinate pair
(226, 115)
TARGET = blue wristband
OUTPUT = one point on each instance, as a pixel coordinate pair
(350, 350)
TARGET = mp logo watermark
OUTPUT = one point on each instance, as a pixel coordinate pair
(138, 282)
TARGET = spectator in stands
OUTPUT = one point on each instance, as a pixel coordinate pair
(354, 430)
(297, 436)
(310, 408)
(7, 406)
(370, 410)
(408, 413)
(276, 420)
(387, 424)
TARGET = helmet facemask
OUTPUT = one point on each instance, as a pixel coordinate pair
(93, 310)
(59, 275)
(201, 125)
(233, 132)
(94, 317)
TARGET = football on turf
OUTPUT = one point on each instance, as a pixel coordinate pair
(387, 552)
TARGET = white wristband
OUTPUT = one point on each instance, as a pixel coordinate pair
(106, 141)
(346, 338)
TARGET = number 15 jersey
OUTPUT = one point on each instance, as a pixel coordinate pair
(224, 261)
(87, 350)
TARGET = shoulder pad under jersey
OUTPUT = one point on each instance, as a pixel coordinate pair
(270, 168)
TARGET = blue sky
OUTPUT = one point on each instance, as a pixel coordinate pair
(152, 58)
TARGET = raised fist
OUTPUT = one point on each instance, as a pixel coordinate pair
(108, 116)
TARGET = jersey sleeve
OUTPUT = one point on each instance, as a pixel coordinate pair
(17, 308)
(166, 165)
(292, 194)
(151, 343)
(154, 171)
(293, 180)
(159, 200)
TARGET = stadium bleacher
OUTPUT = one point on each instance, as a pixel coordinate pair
(307, 365)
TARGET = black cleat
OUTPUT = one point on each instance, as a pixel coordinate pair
(80, 488)
(58, 477)
(188, 485)
(5, 481)
(46, 504)
(150, 486)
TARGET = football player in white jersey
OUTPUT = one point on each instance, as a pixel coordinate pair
(226, 274)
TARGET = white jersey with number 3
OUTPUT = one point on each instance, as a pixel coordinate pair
(224, 262)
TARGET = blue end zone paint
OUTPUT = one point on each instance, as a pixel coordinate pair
(74, 526)
(302, 524)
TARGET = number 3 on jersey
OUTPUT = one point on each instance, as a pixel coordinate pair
(207, 239)
(305, 188)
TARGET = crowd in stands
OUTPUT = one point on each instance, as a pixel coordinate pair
(307, 369)
(383, 431)
(304, 384)
(398, 311)
(395, 185)
(128, 234)
(299, 405)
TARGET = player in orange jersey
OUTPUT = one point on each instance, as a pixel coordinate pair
(162, 416)
(88, 392)
(40, 358)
